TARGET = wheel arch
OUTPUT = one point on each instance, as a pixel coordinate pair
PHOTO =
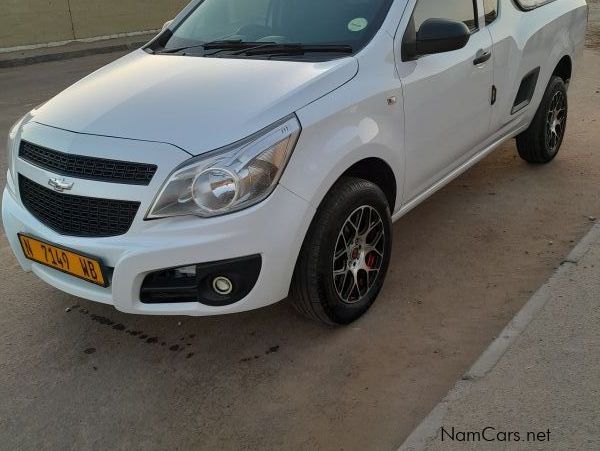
(311, 176)
(564, 69)
(378, 172)
(363, 165)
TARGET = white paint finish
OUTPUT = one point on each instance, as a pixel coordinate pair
(520, 47)
(163, 109)
(165, 156)
(274, 229)
(198, 104)
(447, 99)
(511, 130)
(355, 123)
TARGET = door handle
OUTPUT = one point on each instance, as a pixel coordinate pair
(482, 57)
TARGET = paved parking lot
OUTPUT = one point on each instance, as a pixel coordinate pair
(77, 375)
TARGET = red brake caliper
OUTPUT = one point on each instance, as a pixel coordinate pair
(370, 260)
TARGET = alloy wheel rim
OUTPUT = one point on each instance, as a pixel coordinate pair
(359, 254)
(555, 122)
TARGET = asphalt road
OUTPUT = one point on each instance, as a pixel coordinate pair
(78, 375)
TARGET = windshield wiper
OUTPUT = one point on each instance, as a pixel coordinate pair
(293, 49)
(224, 44)
(247, 48)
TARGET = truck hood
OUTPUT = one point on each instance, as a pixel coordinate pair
(198, 104)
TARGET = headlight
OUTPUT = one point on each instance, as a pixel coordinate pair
(14, 136)
(10, 145)
(231, 178)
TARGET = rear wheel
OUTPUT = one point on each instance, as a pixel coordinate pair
(345, 256)
(541, 142)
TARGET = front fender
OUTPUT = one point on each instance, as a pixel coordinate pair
(362, 119)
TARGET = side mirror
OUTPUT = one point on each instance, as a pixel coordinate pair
(441, 35)
(166, 25)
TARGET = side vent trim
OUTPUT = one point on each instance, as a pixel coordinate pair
(526, 90)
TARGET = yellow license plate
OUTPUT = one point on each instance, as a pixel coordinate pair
(67, 261)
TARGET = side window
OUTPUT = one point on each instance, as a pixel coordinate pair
(490, 8)
(527, 5)
(459, 10)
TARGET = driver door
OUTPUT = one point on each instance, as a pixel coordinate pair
(447, 97)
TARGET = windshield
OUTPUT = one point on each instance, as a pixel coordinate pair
(350, 23)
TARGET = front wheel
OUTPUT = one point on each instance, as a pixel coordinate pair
(541, 142)
(345, 256)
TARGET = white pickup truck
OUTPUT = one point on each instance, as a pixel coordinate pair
(257, 149)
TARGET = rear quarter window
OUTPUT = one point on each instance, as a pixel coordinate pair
(531, 4)
(490, 8)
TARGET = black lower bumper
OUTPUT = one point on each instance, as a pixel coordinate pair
(195, 283)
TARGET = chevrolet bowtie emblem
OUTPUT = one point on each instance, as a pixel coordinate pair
(60, 184)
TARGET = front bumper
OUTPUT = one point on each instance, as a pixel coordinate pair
(274, 229)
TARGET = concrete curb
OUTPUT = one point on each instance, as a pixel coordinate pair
(425, 432)
(64, 53)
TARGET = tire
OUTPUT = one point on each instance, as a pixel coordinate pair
(330, 245)
(541, 142)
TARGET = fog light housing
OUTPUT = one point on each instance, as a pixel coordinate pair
(216, 284)
(222, 285)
